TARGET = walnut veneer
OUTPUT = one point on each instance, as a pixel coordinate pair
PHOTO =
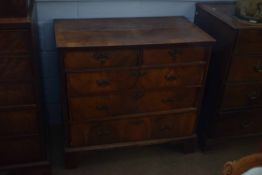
(130, 81)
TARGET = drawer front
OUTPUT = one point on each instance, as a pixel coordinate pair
(15, 41)
(15, 68)
(176, 125)
(239, 123)
(246, 68)
(249, 41)
(131, 102)
(100, 58)
(89, 82)
(242, 95)
(18, 122)
(16, 94)
(136, 129)
(173, 55)
(23, 150)
(13, 8)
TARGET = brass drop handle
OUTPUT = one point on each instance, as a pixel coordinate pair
(258, 68)
(101, 56)
(136, 122)
(253, 97)
(169, 101)
(138, 95)
(137, 73)
(164, 128)
(103, 82)
(102, 107)
(171, 78)
(247, 124)
(103, 132)
(174, 52)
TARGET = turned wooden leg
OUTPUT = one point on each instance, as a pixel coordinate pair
(189, 146)
(71, 160)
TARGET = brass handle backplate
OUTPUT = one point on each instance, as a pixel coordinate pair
(247, 124)
(173, 53)
(171, 78)
(137, 73)
(104, 132)
(169, 100)
(136, 122)
(102, 57)
(103, 82)
(102, 107)
(258, 68)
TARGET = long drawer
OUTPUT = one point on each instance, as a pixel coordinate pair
(84, 83)
(130, 102)
(15, 68)
(19, 122)
(16, 94)
(20, 150)
(15, 41)
(242, 95)
(238, 123)
(132, 129)
(246, 68)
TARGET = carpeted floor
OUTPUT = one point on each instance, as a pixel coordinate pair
(156, 160)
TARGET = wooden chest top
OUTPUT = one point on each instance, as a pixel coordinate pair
(127, 32)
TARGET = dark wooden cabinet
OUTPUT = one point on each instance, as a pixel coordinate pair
(15, 8)
(233, 98)
(22, 142)
(134, 81)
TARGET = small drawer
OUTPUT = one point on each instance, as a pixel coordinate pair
(84, 108)
(173, 125)
(242, 95)
(249, 41)
(132, 129)
(173, 55)
(16, 94)
(246, 68)
(15, 41)
(20, 150)
(85, 83)
(100, 58)
(18, 122)
(15, 68)
(239, 123)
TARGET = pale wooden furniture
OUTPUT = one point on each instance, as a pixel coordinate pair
(242, 165)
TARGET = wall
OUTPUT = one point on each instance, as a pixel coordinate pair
(57, 9)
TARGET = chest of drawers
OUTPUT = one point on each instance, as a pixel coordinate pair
(22, 143)
(134, 81)
(233, 99)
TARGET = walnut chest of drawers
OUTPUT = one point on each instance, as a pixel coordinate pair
(233, 98)
(22, 144)
(133, 81)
